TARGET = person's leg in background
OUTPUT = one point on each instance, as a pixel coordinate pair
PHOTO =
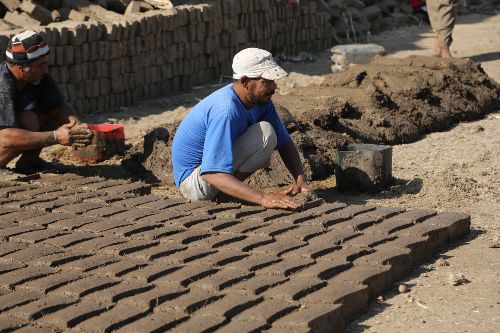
(442, 15)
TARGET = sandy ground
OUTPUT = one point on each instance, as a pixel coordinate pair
(457, 170)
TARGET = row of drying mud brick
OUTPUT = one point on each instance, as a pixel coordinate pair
(96, 255)
(101, 65)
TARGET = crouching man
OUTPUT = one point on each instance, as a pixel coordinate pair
(232, 133)
(33, 113)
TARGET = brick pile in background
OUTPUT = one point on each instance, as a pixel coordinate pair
(102, 255)
(101, 66)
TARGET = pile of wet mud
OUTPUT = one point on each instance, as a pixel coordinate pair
(390, 101)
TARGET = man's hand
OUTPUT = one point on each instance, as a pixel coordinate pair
(82, 135)
(69, 134)
(278, 199)
(301, 186)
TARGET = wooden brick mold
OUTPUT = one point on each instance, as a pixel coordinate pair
(110, 259)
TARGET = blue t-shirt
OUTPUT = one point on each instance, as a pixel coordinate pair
(206, 135)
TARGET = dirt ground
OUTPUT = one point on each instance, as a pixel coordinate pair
(457, 170)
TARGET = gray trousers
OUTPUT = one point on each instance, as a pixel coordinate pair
(251, 151)
(442, 14)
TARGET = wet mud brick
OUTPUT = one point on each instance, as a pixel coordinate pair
(20, 216)
(312, 318)
(162, 204)
(192, 301)
(224, 257)
(120, 267)
(10, 247)
(268, 310)
(51, 282)
(52, 179)
(15, 229)
(32, 252)
(224, 278)
(257, 284)
(188, 274)
(134, 214)
(6, 267)
(161, 321)
(9, 324)
(70, 239)
(76, 313)
(90, 263)
(38, 236)
(114, 318)
(254, 262)
(400, 222)
(86, 286)
(354, 298)
(120, 291)
(137, 201)
(296, 288)
(103, 184)
(151, 272)
(46, 219)
(136, 188)
(7, 191)
(28, 194)
(157, 296)
(17, 298)
(42, 307)
(103, 197)
(163, 216)
(207, 323)
(79, 208)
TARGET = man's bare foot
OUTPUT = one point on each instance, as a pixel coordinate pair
(445, 53)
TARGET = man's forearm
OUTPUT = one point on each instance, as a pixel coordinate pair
(15, 138)
(230, 185)
(290, 156)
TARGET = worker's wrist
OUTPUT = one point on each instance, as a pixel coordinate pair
(54, 138)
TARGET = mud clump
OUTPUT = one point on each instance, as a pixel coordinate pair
(390, 101)
(149, 159)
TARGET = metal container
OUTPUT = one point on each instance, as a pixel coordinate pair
(364, 168)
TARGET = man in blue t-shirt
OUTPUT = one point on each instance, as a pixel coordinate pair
(232, 133)
(33, 113)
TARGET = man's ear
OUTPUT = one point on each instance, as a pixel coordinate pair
(244, 81)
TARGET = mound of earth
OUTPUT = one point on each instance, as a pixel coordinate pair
(390, 101)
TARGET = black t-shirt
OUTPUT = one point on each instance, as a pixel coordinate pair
(43, 97)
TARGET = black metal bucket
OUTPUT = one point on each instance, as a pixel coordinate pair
(364, 168)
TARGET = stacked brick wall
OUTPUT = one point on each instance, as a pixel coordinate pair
(101, 66)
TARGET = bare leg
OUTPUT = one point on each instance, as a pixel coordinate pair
(28, 121)
(437, 46)
(445, 53)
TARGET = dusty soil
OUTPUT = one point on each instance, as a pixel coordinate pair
(458, 170)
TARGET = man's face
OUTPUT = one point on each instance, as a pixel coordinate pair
(35, 71)
(261, 90)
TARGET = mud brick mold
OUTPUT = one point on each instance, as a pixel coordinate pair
(104, 262)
